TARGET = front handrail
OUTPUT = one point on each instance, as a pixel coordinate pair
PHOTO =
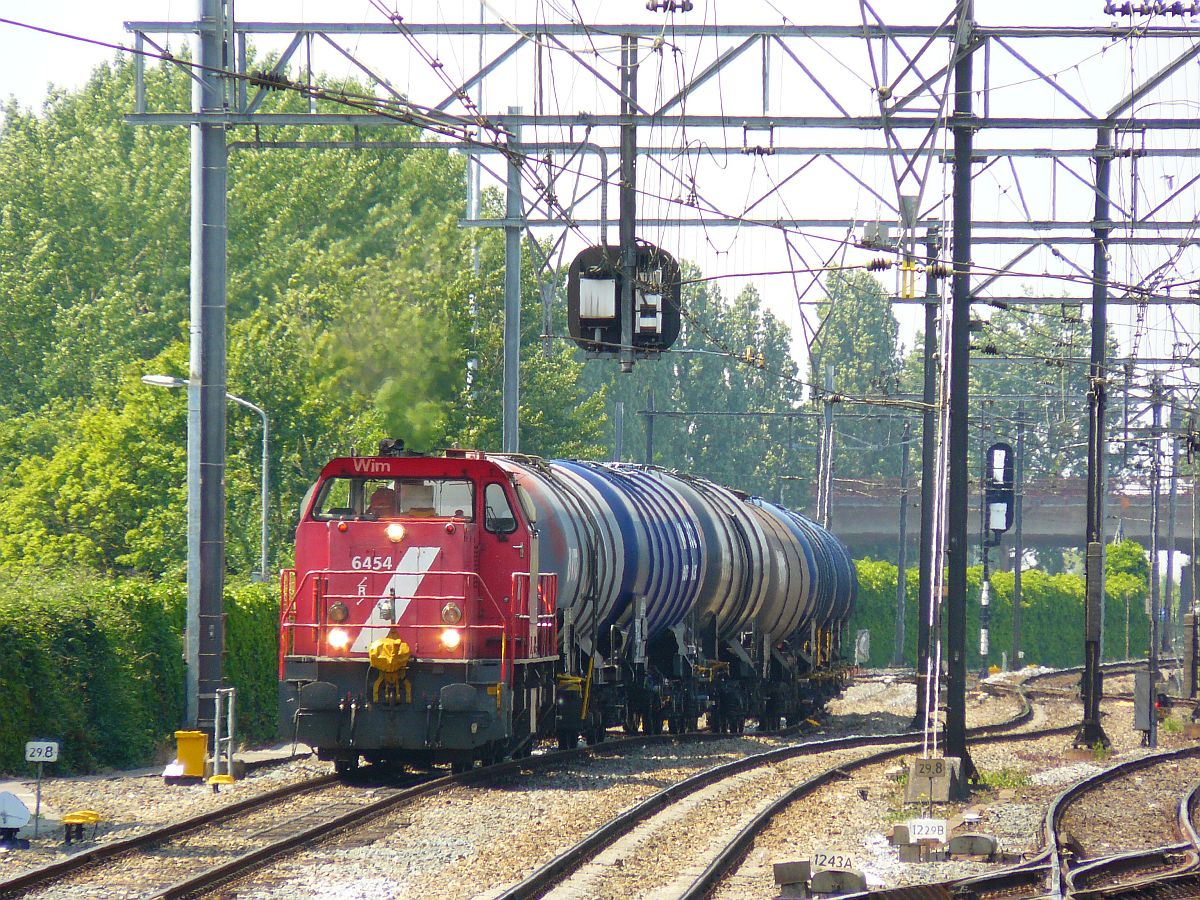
(317, 583)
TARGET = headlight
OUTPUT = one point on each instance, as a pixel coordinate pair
(451, 638)
(451, 613)
(338, 639)
(395, 532)
(338, 612)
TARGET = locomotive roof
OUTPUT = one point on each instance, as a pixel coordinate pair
(475, 467)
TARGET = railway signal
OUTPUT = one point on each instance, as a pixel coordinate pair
(998, 493)
(596, 315)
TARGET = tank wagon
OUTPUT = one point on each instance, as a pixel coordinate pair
(458, 608)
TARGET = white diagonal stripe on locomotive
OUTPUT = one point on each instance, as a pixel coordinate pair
(403, 584)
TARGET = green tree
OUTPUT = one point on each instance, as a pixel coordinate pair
(732, 360)
(857, 336)
(348, 312)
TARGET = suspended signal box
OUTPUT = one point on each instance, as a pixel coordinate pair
(595, 313)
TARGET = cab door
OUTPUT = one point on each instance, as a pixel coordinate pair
(504, 550)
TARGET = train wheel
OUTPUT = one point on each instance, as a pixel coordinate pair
(568, 740)
(675, 725)
(459, 766)
(345, 766)
(631, 722)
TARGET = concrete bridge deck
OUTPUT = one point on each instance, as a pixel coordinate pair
(865, 515)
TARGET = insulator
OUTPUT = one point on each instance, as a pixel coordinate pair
(938, 270)
(271, 81)
(879, 264)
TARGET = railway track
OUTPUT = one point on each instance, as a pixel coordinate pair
(1172, 870)
(322, 819)
(1071, 870)
(1041, 684)
(274, 822)
(24, 882)
(568, 870)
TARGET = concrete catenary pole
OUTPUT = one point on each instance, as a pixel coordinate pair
(628, 196)
(933, 248)
(901, 562)
(1091, 732)
(959, 395)
(1018, 537)
(1172, 510)
(510, 440)
(649, 426)
(204, 645)
(1155, 491)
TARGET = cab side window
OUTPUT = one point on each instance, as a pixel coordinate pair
(497, 514)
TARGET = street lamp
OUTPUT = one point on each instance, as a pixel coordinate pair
(170, 381)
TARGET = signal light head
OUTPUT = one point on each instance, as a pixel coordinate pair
(451, 638)
(395, 532)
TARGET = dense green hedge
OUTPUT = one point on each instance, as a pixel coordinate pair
(97, 664)
(1051, 613)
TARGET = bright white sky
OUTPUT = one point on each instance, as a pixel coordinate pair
(29, 62)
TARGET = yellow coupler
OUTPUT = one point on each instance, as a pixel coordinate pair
(390, 656)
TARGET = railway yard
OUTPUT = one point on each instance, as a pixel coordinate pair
(519, 455)
(658, 816)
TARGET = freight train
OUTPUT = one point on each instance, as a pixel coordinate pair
(458, 608)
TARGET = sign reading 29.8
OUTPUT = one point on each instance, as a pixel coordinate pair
(41, 751)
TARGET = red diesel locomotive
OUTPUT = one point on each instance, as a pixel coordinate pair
(456, 608)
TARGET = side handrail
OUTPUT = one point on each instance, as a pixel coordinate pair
(546, 641)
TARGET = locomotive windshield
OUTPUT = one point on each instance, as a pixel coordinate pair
(394, 498)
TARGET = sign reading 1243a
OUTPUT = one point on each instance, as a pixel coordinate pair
(41, 751)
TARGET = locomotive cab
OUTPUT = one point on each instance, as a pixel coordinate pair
(415, 625)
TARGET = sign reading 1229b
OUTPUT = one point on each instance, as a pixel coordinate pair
(927, 830)
(41, 751)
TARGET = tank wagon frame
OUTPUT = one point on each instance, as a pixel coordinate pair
(458, 608)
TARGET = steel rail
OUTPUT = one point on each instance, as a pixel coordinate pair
(245, 863)
(56, 871)
(77, 863)
(727, 860)
(570, 860)
(1059, 865)
(1029, 878)
(1150, 866)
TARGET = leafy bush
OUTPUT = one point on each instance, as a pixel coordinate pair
(1051, 611)
(97, 664)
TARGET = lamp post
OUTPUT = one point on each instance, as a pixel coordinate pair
(170, 381)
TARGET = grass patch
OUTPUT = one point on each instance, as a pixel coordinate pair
(997, 779)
